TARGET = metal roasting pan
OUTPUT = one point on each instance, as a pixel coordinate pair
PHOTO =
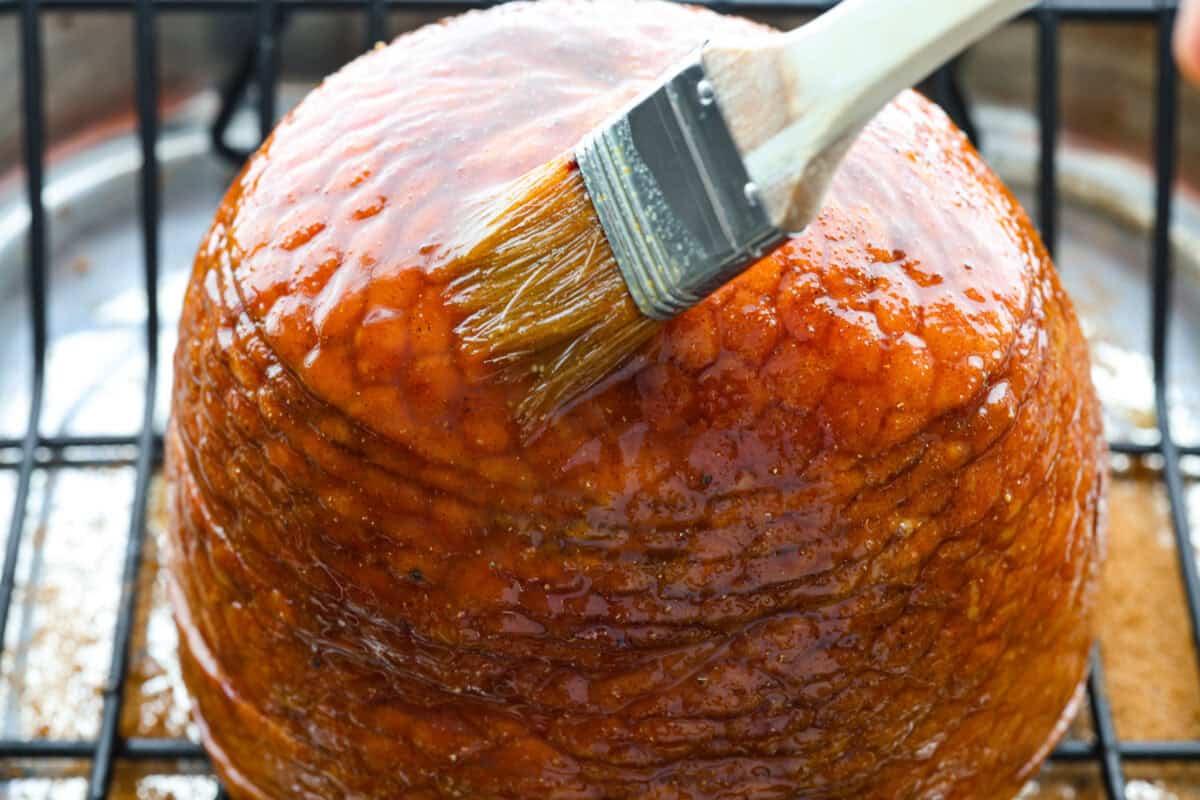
(57, 651)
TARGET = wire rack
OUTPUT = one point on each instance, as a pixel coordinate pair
(34, 451)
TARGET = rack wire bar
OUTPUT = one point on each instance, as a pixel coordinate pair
(1166, 134)
(1106, 733)
(947, 92)
(146, 64)
(134, 749)
(1143, 449)
(143, 749)
(268, 64)
(32, 451)
(60, 443)
(33, 143)
(376, 22)
(80, 456)
(1076, 750)
(1048, 123)
(1116, 11)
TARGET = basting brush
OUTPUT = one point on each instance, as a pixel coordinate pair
(583, 259)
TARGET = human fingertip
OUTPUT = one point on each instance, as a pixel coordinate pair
(1187, 40)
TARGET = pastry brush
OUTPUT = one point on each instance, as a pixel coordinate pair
(580, 261)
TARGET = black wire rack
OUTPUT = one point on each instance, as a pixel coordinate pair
(34, 451)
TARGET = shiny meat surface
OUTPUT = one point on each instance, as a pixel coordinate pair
(834, 533)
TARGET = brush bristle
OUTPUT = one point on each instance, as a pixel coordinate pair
(543, 294)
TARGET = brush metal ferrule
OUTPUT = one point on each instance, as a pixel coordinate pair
(672, 192)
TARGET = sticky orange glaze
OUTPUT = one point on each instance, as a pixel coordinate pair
(833, 534)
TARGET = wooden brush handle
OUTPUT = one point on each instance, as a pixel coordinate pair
(795, 102)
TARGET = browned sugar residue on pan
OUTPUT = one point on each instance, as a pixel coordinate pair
(1071, 781)
(66, 588)
(156, 703)
(1143, 622)
(1151, 672)
(155, 706)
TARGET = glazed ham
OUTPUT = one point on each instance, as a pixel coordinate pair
(833, 534)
